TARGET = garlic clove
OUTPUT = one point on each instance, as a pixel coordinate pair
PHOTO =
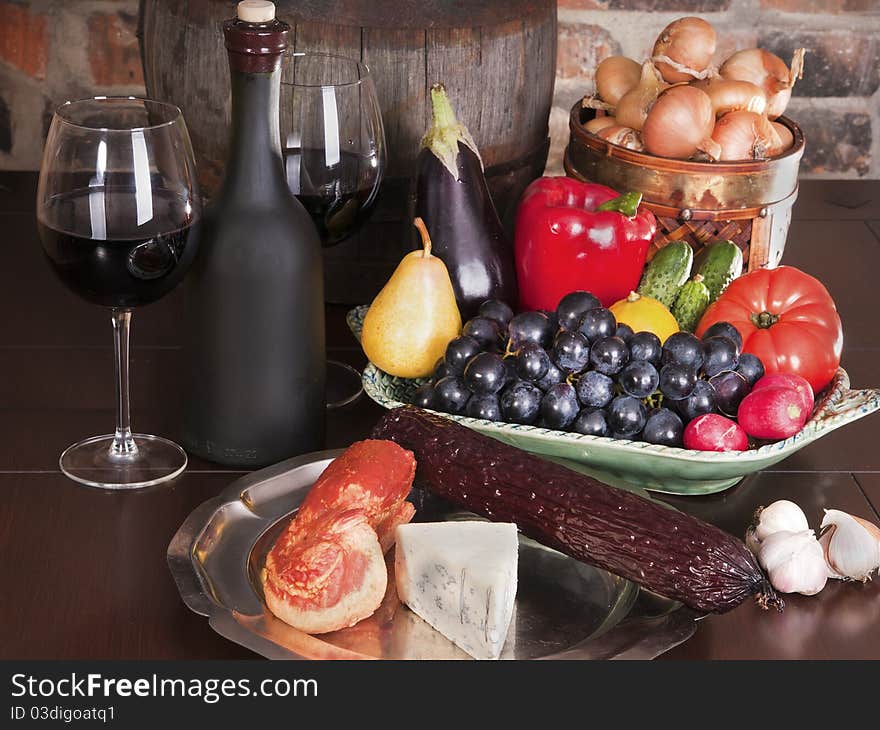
(794, 561)
(851, 545)
(824, 541)
(779, 516)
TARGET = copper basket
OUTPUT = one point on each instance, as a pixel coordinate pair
(748, 203)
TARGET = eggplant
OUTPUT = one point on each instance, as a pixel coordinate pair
(453, 199)
(666, 551)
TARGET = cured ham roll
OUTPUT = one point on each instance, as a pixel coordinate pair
(326, 571)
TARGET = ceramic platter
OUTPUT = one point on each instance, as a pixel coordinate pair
(564, 608)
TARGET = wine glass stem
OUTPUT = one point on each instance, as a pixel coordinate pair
(123, 444)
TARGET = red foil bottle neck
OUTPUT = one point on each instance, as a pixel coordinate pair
(255, 47)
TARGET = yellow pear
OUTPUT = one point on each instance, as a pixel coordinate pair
(414, 317)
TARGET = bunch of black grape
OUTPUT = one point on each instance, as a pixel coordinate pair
(577, 369)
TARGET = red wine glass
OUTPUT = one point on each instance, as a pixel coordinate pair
(117, 211)
(333, 143)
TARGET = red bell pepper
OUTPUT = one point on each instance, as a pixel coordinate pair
(574, 236)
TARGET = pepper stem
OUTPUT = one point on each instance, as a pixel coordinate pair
(627, 204)
(447, 132)
(426, 238)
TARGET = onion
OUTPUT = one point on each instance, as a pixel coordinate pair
(684, 50)
(597, 123)
(615, 76)
(633, 108)
(730, 95)
(769, 72)
(679, 123)
(622, 136)
(745, 135)
(786, 139)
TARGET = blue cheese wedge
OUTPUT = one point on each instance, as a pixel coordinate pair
(460, 577)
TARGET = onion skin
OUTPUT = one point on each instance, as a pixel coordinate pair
(633, 107)
(595, 125)
(622, 136)
(767, 71)
(744, 135)
(732, 95)
(615, 76)
(688, 41)
(679, 122)
(786, 139)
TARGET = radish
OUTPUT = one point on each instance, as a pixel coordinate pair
(775, 412)
(711, 432)
(801, 385)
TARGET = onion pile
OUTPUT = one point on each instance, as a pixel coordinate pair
(677, 104)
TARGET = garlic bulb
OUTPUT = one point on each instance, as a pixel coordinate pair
(794, 561)
(776, 517)
(851, 545)
(779, 516)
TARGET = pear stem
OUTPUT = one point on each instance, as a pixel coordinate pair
(426, 239)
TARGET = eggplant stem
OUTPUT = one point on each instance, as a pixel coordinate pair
(426, 238)
(446, 132)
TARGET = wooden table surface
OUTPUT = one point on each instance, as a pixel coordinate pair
(84, 573)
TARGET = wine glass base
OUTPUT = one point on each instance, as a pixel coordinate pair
(89, 462)
(344, 384)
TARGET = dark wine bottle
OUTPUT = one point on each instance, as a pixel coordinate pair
(254, 297)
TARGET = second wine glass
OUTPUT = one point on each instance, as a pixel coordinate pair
(332, 139)
(333, 143)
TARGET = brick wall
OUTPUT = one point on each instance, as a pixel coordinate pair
(837, 103)
(53, 50)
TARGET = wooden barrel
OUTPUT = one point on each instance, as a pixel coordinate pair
(496, 57)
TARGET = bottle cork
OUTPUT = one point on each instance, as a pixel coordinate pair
(256, 11)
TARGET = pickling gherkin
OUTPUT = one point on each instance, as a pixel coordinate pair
(691, 302)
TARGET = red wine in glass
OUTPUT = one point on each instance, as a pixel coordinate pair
(333, 143)
(126, 270)
(118, 209)
(339, 201)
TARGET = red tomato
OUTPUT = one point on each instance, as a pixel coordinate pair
(787, 318)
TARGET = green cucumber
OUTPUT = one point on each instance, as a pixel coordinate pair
(690, 303)
(719, 264)
(667, 272)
